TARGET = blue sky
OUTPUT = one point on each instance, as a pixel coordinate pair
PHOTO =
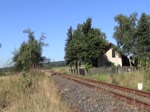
(53, 17)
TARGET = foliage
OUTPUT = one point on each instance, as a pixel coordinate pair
(88, 66)
(30, 52)
(133, 38)
(94, 46)
(125, 32)
(50, 65)
(32, 92)
(113, 64)
(68, 46)
(142, 44)
(84, 44)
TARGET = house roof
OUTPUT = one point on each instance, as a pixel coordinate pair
(109, 45)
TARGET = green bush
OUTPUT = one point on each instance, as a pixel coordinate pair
(88, 66)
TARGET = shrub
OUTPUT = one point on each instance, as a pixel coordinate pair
(88, 66)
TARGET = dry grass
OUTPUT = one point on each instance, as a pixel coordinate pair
(64, 69)
(33, 92)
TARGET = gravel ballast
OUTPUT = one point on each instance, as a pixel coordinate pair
(89, 100)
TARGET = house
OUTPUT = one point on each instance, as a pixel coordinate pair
(112, 58)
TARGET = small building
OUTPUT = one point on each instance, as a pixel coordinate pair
(112, 58)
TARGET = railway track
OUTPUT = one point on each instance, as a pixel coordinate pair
(136, 98)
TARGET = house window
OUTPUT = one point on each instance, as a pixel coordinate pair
(113, 53)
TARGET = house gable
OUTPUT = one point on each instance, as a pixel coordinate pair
(110, 57)
(113, 57)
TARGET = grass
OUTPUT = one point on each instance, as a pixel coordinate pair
(127, 80)
(6, 74)
(64, 69)
(30, 92)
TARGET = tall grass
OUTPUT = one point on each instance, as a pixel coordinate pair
(30, 92)
(64, 69)
(130, 80)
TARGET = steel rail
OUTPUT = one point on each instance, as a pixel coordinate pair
(87, 82)
(129, 90)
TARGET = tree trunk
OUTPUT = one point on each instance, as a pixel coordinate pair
(78, 62)
(77, 66)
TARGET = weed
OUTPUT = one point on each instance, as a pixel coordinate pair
(127, 80)
(30, 92)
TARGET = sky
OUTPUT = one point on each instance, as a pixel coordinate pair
(54, 17)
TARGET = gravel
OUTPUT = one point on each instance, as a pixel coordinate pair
(89, 100)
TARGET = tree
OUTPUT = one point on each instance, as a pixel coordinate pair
(94, 42)
(73, 47)
(84, 45)
(94, 46)
(125, 32)
(77, 47)
(68, 47)
(142, 44)
(87, 26)
(30, 53)
(17, 60)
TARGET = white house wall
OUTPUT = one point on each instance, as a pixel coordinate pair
(116, 60)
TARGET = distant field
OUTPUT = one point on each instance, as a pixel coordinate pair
(32, 92)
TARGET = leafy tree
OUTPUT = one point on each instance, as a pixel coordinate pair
(125, 32)
(142, 44)
(77, 46)
(94, 46)
(30, 53)
(84, 45)
(87, 26)
(73, 47)
(94, 42)
(68, 47)
(17, 60)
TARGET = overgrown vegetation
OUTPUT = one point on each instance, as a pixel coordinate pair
(30, 53)
(30, 92)
(64, 69)
(127, 79)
